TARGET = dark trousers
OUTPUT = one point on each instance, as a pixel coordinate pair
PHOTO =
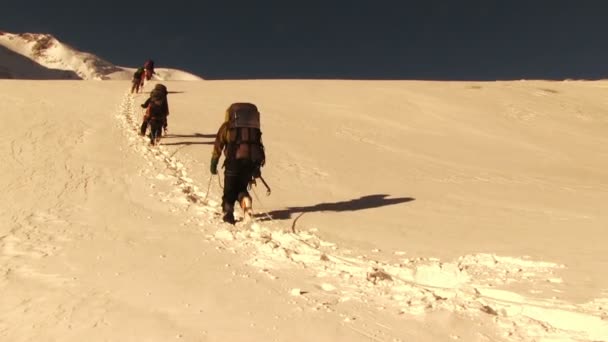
(144, 126)
(237, 175)
(136, 84)
(156, 130)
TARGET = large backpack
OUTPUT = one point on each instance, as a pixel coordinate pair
(149, 64)
(158, 99)
(245, 136)
(138, 73)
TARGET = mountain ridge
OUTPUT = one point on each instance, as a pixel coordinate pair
(43, 56)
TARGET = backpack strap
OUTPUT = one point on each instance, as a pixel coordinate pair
(233, 145)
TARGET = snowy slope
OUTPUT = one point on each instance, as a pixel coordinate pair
(47, 51)
(401, 211)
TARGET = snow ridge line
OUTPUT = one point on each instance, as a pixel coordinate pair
(468, 286)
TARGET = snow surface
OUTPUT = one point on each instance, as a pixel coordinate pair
(43, 55)
(400, 211)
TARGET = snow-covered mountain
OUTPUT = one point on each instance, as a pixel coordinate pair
(42, 56)
(14, 65)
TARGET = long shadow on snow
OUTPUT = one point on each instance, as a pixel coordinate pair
(189, 143)
(169, 92)
(195, 135)
(364, 202)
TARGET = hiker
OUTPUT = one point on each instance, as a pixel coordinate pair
(138, 80)
(157, 110)
(149, 67)
(240, 138)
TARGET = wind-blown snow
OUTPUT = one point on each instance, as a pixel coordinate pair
(400, 211)
(48, 52)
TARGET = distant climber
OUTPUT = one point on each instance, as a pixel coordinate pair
(149, 67)
(137, 81)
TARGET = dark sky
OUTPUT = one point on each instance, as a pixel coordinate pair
(357, 39)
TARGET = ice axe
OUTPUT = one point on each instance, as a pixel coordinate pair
(253, 182)
(268, 191)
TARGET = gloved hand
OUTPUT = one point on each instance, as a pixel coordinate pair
(213, 167)
(257, 173)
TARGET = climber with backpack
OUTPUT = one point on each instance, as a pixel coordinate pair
(138, 80)
(240, 139)
(149, 69)
(157, 110)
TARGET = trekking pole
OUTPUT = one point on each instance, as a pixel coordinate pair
(262, 205)
(268, 191)
(219, 181)
(208, 188)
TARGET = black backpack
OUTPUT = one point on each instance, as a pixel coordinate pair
(245, 140)
(158, 99)
(138, 73)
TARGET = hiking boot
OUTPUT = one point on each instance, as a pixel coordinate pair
(229, 218)
(246, 205)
